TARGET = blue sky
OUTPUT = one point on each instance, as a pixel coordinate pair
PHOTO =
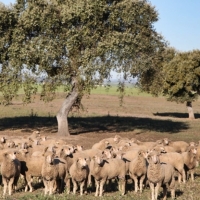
(179, 22)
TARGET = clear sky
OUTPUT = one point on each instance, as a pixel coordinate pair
(179, 22)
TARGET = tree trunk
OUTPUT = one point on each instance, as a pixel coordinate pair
(63, 129)
(190, 110)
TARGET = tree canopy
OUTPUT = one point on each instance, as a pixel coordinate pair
(75, 43)
(176, 75)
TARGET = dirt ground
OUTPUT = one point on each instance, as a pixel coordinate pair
(146, 118)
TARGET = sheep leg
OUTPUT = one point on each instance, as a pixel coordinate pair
(164, 192)
(82, 184)
(102, 183)
(97, 187)
(181, 175)
(10, 185)
(29, 183)
(68, 185)
(152, 190)
(45, 187)
(122, 183)
(51, 186)
(75, 186)
(135, 183)
(192, 174)
(5, 186)
(141, 183)
(157, 190)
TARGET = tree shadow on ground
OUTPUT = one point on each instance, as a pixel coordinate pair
(175, 115)
(79, 125)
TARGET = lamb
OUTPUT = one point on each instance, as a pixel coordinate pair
(79, 171)
(49, 173)
(159, 175)
(10, 171)
(190, 161)
(179, 146)
(105, 169)
(138, 170)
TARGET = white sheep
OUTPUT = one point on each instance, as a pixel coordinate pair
(138, 169)
(10, 171)
(79, 174)
(49, 173)
(105, 169)
(160, 175)
(190, 161)
(179, 146)
(173, 158)
(103, 144)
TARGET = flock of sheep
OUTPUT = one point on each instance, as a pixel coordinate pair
(67, 166)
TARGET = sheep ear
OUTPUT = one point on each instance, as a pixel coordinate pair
(30, 140)
(5, 154)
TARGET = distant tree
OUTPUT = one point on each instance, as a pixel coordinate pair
(75, 43)
(175, 75)
(182, 79)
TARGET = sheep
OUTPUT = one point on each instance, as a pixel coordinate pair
(190, 161)
(105, 169)
(30, 167)
(101, 145)
(173, 158)
(148, 145)
(79, 171)
(49, 173)
(179, 146)
(35, 135)
(138, 169)
(159, 175)
(166, 148)
(10, 171)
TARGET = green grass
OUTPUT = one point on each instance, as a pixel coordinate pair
(129, 91)
(112, 90)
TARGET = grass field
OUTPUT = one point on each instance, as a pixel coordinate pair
(141, 116)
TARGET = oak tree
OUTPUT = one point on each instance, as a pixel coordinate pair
(182, 79)
(75, 43)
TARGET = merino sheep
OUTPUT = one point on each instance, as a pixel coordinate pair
(138, 169)
(101, 145)
(30, 167)
(160, 175)
(10, 171)
(49, 173)
(190, 161)
(173, 158)
(79, 173)
(103, 170)
(179, 146)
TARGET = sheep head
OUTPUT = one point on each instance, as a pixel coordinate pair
(49, 158)
(166, 141)
(11, 155)
(117, 138)
(192, 149)
(81, 162)
(65, 151)
(98, 159)
(152, 157)
(3, 140)
(106, 153)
